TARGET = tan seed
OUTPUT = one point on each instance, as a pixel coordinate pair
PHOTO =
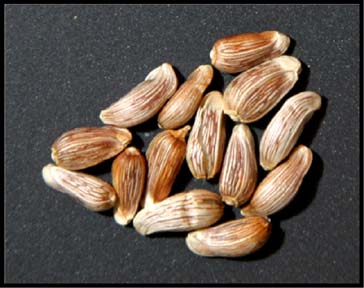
(280, 186)
(129, 171)
(185, 211)
(240, 52)
(84, 147)
(143, 101)
(253, 93)
(284, 129)
(184, 103)
(239, 170)
(91, 192)
(206, 143)
(235, 238)
(165, 155)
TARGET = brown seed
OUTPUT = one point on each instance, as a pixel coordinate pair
(165, 156)
(235, 238)
(239, 171)
(185, 211)
(129, 171)
(206, 143)
(184, 103)
(91, 192)
(255, 92)
(84, 147)
(240, 52)
(143, 101)
(282, 133)
(281, 184)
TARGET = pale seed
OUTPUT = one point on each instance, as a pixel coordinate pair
(253, 93)
(184, 103)
(91, 192)
(185, 211)
(84, 147)
(143, 101)
(280, 186)
(235, 238)
(286, 126)
(240, 52)
(206, 143)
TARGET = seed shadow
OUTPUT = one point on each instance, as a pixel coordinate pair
(179, 75)
(274, 243)
(300, 86)
(183, 179)
(291, 47)
(227, 216)
(138, 142)
(307, 192)
(100, 169)
(313, 125)
(217, 82)
(148, 126)
(168, 235)
(107, 213)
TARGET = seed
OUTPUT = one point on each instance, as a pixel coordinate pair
(143, 101)
(129, 171)
(91, 192)
(206, 143)
(184, 103)
(286, 126)
(253, 93)
(281, 184)
(185, 211)
(235, 238)
(165, 156)
(240, 52)
(239, 170)
(84, 147)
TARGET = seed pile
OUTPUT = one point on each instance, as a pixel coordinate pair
(138, 181)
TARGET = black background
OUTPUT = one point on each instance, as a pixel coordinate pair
(64, 63)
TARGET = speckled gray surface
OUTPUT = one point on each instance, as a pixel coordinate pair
(66, 63)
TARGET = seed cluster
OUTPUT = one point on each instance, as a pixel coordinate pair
(145, 181)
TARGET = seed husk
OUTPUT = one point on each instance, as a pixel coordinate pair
(165, 156)
(286, 126)
(206, 143)
(237, 53)
(235, 238)
(239, 170)
(280, 186)
(93, 193)
(143, 101)
(253, 93)
(185, 211)
(84, 147)
(185, 102)
(129, 172)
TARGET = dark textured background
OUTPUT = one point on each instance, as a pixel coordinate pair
(66, 63)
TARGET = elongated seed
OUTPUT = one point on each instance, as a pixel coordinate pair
(281, 184)
(129, 171)
(282, 133)
(184, 103)
(165, 155)
(240, 52)
(253, 93)
(91, 192)
(206, 143)
(239, 171)
(143, 101)
(185, 211)
(84, 147)
(235, 238)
